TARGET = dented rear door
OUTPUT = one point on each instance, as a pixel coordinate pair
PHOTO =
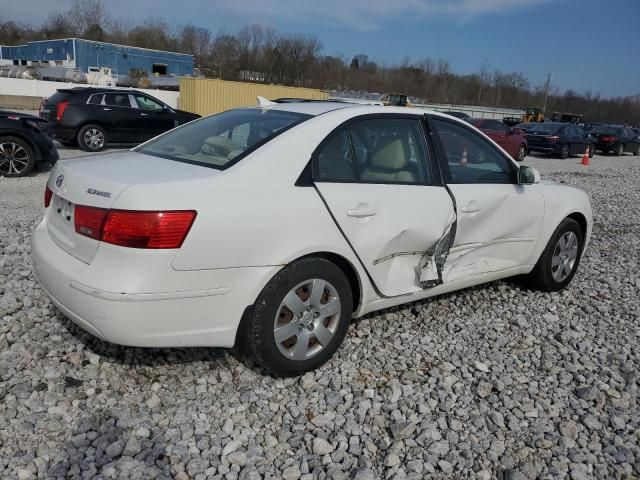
(390, 203)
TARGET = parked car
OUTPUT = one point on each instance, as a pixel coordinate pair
(616, 139)
(270, 228)
(511, 121)
(461, 115)
(524, 127)
(560, 139)
(93, 117)
(23, 144)
(511, 139)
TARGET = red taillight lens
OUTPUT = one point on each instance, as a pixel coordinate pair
(89, 220)
(134, 229)
(608, 138)
(60, 108)
(47, 196)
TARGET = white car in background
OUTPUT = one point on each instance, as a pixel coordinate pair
(271, 227)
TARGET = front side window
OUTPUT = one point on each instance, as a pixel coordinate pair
(221, 140)
(471, 158)
(147, 103)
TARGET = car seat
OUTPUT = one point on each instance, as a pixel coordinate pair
(390, 163)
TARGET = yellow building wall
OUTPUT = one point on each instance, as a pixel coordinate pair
(207, 96)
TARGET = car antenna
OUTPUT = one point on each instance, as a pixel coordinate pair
(264, 103)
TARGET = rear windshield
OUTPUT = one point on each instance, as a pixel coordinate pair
(221, 140)
(543, 128)
(607, 130)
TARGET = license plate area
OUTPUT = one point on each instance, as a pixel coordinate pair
(63, 209)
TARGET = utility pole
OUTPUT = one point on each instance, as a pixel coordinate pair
(546, 94)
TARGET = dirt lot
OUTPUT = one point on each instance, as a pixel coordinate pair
(495, 381)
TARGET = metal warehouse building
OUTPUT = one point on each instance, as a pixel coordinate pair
(90, 56)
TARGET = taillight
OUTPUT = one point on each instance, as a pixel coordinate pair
(47, 196)
(608, 138)
(89, 221)
(134, 229)
(60, 108)
(552, 138)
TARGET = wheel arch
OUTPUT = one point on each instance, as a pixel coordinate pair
(581, 220)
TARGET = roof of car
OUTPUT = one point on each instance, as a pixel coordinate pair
(96, 90)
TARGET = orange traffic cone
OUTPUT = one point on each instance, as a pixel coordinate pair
(585, 157)
(463, 159)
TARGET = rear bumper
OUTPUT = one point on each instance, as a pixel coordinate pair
(165, 308)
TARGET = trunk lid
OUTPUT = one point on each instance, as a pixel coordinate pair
(97, 181)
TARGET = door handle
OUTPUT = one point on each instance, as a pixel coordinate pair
(143, 114)
(106, 109)
(362, 210)
(471, 207)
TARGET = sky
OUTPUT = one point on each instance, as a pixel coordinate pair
(585, 44)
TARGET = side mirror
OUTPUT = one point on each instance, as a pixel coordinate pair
(528, 175)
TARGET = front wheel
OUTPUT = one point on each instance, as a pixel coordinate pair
(522, 153)
(619, 150)
(564, 151)
(92, 138)
(17, 157)
(637, 151)
(559, 261)
(301, 317)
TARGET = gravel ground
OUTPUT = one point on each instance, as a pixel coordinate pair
(492, 382)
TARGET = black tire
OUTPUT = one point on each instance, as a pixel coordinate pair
(542, 276)
(17, 157)
(261, 342)
(637, 150)
(522, 153)
(89, 142)
(564, 151)
(592, 151)
(619, 150)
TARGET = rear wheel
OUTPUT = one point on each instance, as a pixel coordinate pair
(619, 150)
(301, 317)
(17, 157)
(522, 153)
(592, 151)
(637, 150)
(92, 138)
(558, 263)
(564, 151)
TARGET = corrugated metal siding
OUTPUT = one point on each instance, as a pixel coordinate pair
(207, 96)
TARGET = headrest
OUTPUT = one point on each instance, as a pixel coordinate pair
(391, 156)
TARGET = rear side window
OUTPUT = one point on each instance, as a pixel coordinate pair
(381, 150)
(95, 99)
(147, 103)
(471, 158)
(117, 100)
(221, 140)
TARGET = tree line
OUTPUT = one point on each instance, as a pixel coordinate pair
(261, 54)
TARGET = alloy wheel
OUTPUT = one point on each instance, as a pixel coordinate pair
(564, 256)
(94, 139)
(14, 159)
(522, 152)
(307, 319)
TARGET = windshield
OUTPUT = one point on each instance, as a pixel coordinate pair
(221, 140)
(542, 128)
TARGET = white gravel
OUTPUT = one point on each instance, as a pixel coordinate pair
(491, 382)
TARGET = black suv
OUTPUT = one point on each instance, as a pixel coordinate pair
(23, 144)
(611, 138)
(92, 117)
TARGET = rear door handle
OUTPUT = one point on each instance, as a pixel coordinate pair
(362, 210)
(143, 114)
(106, 109)
(471, 207)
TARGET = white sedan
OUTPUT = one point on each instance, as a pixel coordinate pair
(269, 228)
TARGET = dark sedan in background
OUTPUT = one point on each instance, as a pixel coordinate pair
(93, 117)
(23, 144)
(508, 138)
(559, 139)
(616, 139)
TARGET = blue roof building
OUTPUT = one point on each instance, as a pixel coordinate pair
(91, 56)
